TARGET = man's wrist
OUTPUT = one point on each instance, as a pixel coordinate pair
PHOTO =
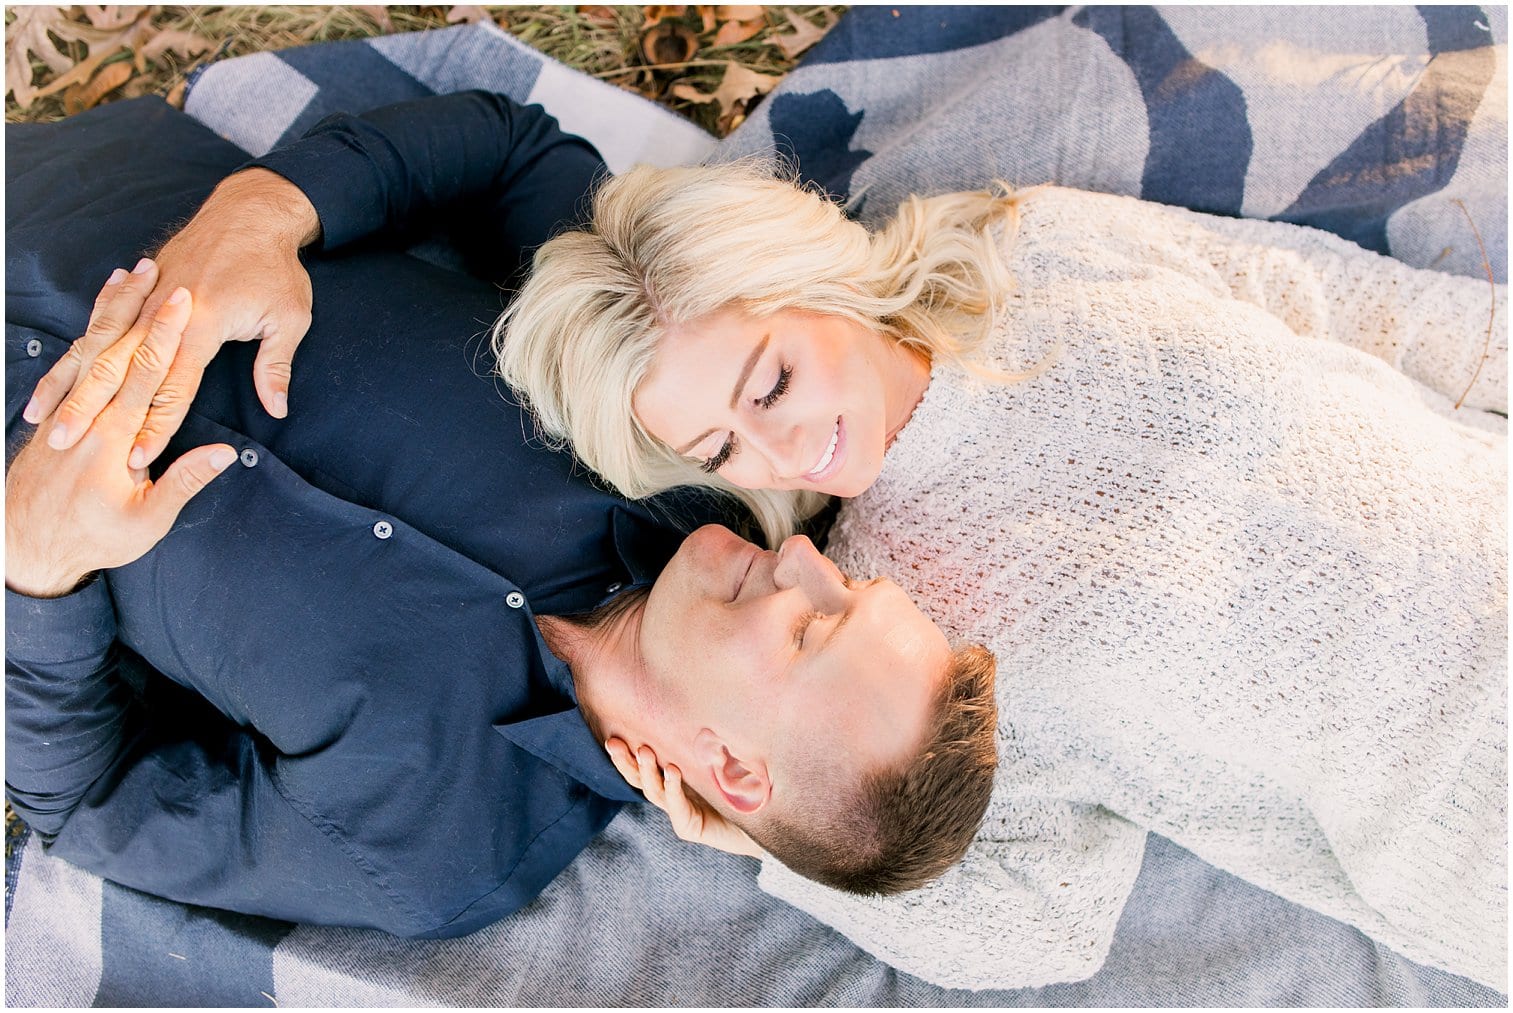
(41, 585)
(268, 202)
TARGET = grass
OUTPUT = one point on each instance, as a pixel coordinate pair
(605, 42)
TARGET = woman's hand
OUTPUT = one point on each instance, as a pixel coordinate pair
(239, 256)
(692, 820)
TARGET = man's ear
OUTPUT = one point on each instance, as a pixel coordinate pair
(743, 784)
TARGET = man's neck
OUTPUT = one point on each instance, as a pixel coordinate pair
(602, 652)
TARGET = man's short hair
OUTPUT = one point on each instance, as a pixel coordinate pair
(897, 829)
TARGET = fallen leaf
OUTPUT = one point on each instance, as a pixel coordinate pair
(87, 96)
(110, 17)
(653, 13)
(26, 37)
(737, 88)
(467, 13)
(669, 42)
(102, 46)
(739, 29)
(804, 35)
(186, 45)
(599, 14)
(176, 95)
(380, 15)
(706, 13)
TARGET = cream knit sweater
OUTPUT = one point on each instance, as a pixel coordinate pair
(1245, 579)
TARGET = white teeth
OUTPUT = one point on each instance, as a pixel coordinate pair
(835, 438)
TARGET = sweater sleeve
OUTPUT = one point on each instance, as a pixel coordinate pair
(1035, 901)
(1432, 327)
(500, 177)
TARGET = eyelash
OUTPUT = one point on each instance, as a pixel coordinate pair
(802, 626)
(772, 397)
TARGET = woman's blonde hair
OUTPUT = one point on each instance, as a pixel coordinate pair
(669, 246)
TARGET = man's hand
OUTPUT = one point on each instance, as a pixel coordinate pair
(692, 820)
(240, 257)
(86, 509)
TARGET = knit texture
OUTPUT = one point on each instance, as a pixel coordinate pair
(1246, 585)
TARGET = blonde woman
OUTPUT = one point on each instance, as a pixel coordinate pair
(1226, 498)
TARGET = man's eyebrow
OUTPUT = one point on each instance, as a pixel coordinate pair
(735, 395)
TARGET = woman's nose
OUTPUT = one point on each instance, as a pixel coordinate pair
(780, 446)
(800, 564)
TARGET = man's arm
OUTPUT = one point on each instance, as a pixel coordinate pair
(167, 795)
(503, 174)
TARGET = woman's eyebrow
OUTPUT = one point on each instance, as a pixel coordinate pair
(735, 395)
(751, 361)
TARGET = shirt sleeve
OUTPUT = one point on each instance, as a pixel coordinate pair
(1440, 330)
(143, 782)
(1035, 901)
(499, 177)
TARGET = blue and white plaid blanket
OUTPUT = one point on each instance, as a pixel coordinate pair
(1368, 122)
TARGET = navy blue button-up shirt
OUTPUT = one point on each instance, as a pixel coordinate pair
(323, 696)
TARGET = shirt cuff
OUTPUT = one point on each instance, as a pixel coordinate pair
(325, 167)
(57, 630)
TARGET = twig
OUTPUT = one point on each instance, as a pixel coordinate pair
(1492, 313)
(662, 66)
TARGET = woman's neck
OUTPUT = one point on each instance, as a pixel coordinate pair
(906, 381)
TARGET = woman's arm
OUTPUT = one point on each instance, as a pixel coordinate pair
(1431, 326)
(1034, 902)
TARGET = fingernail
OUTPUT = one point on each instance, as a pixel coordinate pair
(116, 277)
(29, 413)
(219, 459)
(143, 266)
(179, 295)
(280, 404)
(58, 438)
(138, 458)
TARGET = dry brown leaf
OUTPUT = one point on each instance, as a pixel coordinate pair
(737, 88)
(111, 17)
(186, 45)
(102, 46)
(733, 31)
(804, 35)
(653, 13)
(87, 96)
(26, 37)
(706, 13)
(669, 42)
(599, 14)
(466, 13)
(380, 16)
(176, 95)
(739, 12)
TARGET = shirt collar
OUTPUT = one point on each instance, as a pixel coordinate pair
(564, 741)
(563, 738)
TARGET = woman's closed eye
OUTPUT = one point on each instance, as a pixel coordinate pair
(728, 448)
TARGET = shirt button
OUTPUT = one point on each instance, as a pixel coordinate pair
(613, 588)
(249, 458)
(383, 529)
(34, 348)
(514, 599)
